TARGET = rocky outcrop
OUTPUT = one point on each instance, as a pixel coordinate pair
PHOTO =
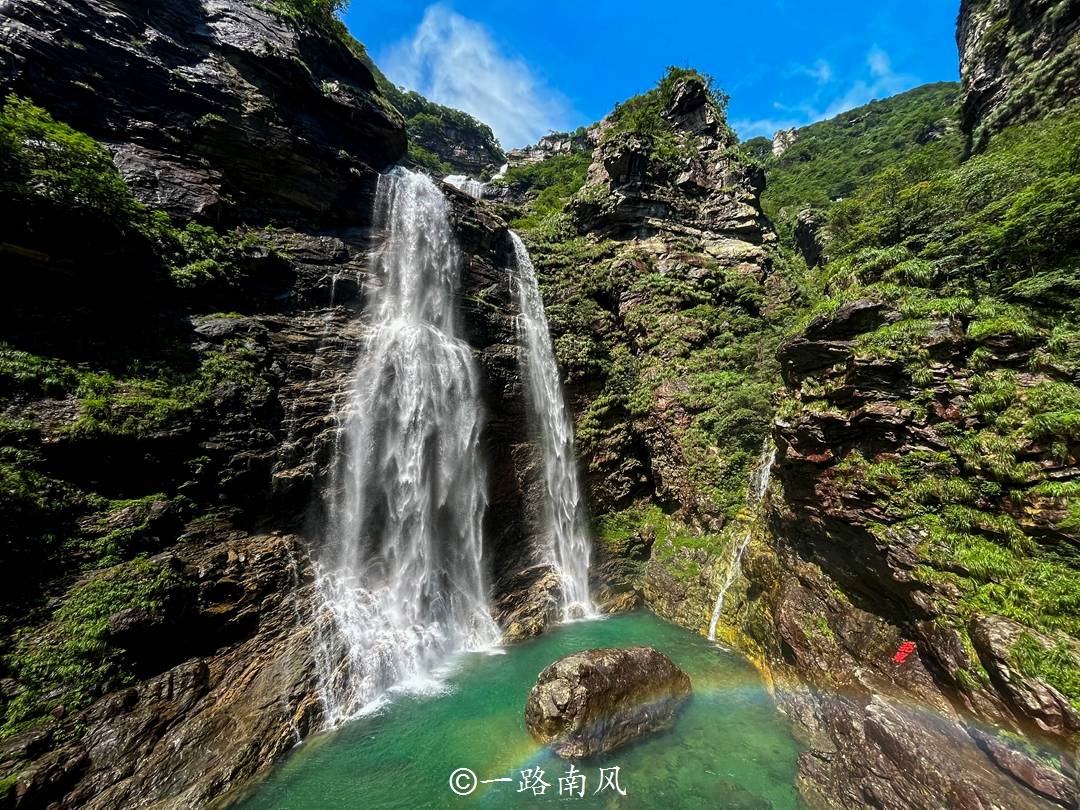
(665, 257)
(468, 148)
(1017, 62)
(811, 235)
(783, 140)
(556, 143)
(994, 639)
(174, 739)
(219, 110)
(707, 193)
(848, 594)
(594, 701)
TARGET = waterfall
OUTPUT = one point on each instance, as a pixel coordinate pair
(568, 548)
(474, 188)
(759, 484)
(400, 577)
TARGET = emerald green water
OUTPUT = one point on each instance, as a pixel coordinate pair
(729, 748)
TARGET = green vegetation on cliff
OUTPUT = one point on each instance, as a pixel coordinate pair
(830, 160)
(644, 116)
(1023, 56)
(41, 158)
(317, 12)
(554, 181)
(75, 657)
(980, 262)
(48, 168)
(45, 164)
(74, 537)
(666, 342)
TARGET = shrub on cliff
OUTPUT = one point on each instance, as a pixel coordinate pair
(643, 115)
(46, 159)
(319, 12)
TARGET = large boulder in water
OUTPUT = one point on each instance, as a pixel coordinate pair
(596, 700)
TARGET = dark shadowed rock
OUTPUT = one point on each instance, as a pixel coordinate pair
(596, 700)
(1028, 770)
(828, 338)
(215, 109)
(810, 236)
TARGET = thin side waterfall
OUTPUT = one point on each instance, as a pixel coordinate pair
(759, 484)
(564, 506)
(474, 188)
(471, 186)
(400, 578)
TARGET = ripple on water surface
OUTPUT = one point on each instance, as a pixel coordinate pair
(729, 748)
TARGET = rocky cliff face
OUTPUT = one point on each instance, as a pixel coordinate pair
(464, 149)
(557, 143)
(656, 277)
(845, 583)
(168, 386)
(912, 552)
(1018, 61)
(783, 140)
(212, 108)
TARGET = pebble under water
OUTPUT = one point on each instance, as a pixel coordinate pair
(728, 748)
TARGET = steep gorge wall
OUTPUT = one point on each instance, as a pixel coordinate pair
(657, 277)
(169, 385)
(862, 618)
(1018, 61)
(870, 591)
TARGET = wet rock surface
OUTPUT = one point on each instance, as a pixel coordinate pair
(594, 701)
(183, 737)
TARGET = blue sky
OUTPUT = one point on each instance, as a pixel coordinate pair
(527, 68)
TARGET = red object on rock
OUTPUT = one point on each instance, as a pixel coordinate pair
(906, 649)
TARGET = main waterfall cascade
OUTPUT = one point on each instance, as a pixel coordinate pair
(759, 484)
(400, 578)
(568, 548)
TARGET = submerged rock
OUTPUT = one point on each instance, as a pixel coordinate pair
(596, 700)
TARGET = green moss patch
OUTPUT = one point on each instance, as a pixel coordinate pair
(70, 660)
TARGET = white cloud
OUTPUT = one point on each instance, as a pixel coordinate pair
(882, 82)
(879, 62)
(821, 71)
(455, 61)
(879, 81)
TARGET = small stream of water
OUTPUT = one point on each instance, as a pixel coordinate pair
(759, 484)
